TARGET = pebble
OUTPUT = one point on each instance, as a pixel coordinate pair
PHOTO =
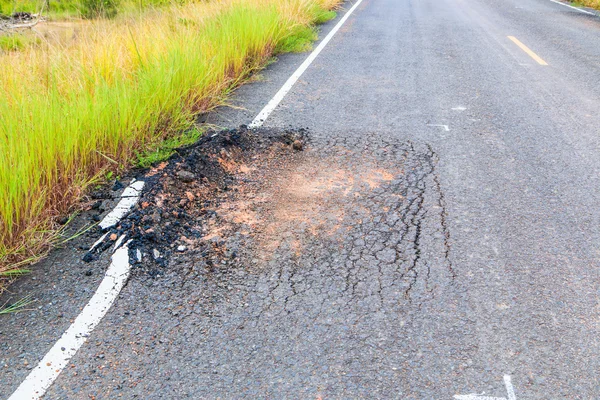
(185, 176)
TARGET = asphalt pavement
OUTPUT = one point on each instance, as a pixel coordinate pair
(439, 232)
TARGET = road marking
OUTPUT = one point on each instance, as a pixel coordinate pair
(528, 51)
(97, 242)
(459, 108)
(129, 198)
(287, 86)
(509, 389)
(574, 8)
(46, 372)
(446, 127)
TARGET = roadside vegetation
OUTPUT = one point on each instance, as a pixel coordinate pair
(77, 107)
(588, 3)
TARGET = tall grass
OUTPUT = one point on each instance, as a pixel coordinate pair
(51, 8)
(71, 110)
(588, 3)
(61, 9)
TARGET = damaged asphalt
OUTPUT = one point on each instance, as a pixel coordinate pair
(301, 257)
(354, 247)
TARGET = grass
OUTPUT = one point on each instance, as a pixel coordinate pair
(65, 9)
(73, 9)
(167, 148)
(587, 3)
(73, 110)
(53, 8)
(17, 306)
(17, 41)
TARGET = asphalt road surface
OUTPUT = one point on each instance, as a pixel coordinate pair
(439, 232)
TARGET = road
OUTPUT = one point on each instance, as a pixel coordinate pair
(439, 232)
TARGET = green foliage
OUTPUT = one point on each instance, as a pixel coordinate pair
(11, 43)
(586, 3)
(163, 150)
(99, 8)
(299, 39)
(52, 8)
(324, 16)
(16, 42)
(19, 305)
(63, 8)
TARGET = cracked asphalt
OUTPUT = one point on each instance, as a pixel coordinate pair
(392, 258)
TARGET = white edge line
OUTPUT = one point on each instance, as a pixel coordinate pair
(509, 388)
(574, 8)
(287, 86)
(97, 242)
(129, 198)
(44, 374)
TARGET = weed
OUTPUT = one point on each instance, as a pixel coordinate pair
(299, 39)
(587, 3)
(16, 42)
(99, 8)
(16, 307)
(165, 149)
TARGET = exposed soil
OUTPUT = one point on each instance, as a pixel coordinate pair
(177, 210)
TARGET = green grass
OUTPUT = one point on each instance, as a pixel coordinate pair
(301, 37)
(72, 111)
(587, 3)
(54, 8)
(63, 9)
(11, 42)
(19, 305)
(299, 40)
(166, 148)
(16, 42)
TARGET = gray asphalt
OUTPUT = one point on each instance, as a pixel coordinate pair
(400, 260)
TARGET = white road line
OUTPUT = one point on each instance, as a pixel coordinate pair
(473, 396)
(129, 198)
(44, 374)
(97, 242)
(445, 127)
(509, 388)
(574, 8)
(287, 86)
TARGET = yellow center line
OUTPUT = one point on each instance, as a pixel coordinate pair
(528, 51)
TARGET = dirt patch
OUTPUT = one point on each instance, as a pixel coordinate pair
(291, 201)
(177, 212)
(247, 194)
